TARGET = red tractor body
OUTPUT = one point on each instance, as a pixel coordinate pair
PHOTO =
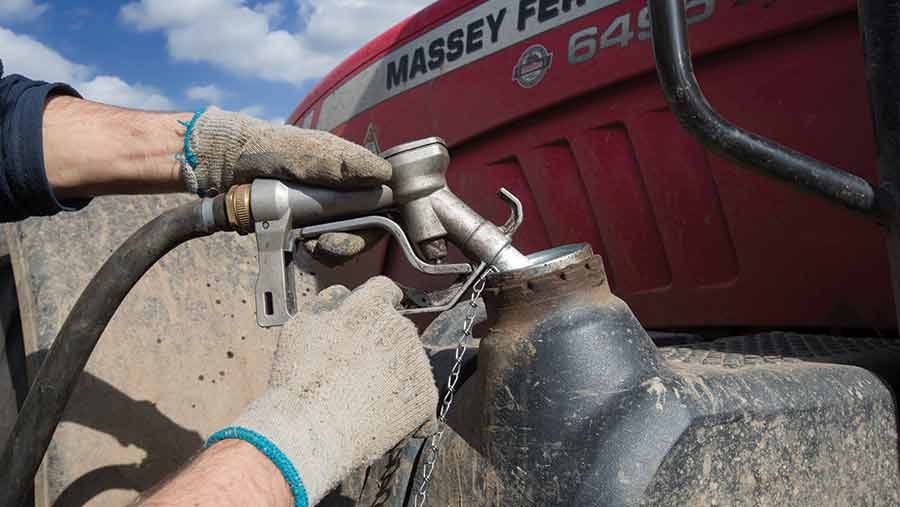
(559, 102)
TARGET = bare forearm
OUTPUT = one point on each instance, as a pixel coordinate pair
(93, 149)
(230, 473)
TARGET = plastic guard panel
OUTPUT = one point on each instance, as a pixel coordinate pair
(688, 238)
(782, 419)
(771, 419)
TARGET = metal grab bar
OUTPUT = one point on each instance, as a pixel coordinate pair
(686, 100)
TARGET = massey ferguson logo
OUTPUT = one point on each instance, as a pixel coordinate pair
(532, 66)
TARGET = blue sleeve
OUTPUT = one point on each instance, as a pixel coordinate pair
(24, 189)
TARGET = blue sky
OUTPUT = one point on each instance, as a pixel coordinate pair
(257, 57)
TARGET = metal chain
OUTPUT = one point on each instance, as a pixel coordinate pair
(461, 347)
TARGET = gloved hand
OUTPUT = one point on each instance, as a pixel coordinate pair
(349, 382)
(224, 148)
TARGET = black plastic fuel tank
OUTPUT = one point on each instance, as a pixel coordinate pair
(572, 404)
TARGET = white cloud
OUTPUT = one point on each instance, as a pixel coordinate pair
(258, 111)
(20, 10)
(271, 10)
(210, 94)
(242, 37)
(112, 90)
(23, 55)
(254, 110)
(343, 26)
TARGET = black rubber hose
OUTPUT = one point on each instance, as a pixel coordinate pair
(686, 100)
(69, 353)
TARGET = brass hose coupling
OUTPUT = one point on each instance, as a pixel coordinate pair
(237, 208)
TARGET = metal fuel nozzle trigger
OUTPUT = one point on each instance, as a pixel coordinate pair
(418, 301)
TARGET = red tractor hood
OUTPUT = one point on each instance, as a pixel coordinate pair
(558, 101)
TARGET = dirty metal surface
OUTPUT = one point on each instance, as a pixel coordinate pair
(180, 359)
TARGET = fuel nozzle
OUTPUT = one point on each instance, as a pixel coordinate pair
(281, 214)
(432, 214)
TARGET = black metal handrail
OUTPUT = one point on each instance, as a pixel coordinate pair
(686, 100)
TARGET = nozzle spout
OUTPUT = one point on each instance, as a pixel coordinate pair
(474, 235)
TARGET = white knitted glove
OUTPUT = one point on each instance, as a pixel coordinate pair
(224, 148)
(348, 384)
